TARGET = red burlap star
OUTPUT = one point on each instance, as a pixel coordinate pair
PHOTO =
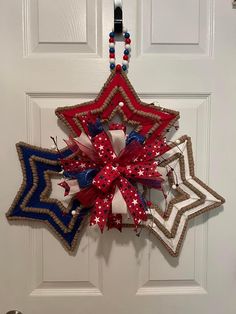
(118, 96)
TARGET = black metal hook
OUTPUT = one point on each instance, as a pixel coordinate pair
(118, 17)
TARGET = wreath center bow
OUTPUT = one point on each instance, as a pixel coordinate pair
(114, 165)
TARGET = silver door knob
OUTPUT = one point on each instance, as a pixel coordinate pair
(13, 312)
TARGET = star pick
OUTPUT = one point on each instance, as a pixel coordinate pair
(33, 201)
(119, 97)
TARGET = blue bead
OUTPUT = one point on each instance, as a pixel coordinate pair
(127, 35)
(112, 34)
(112, 66)
(112, 50)
(124, 67)
(126, 52)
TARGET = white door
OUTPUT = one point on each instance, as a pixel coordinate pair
(55, 53)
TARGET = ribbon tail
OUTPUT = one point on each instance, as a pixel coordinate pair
(65, 186)
(133, 201)
(114, 221)
(73, 186)
(118, 203)
(101, 211)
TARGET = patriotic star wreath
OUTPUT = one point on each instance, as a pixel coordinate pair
(110, 167)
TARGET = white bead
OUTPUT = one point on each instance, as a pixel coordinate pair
(177, 141)
(73, 212)
(112, 60)
(125, 62)
(121, 104)
(173, 186)
(111, 45)
(127, 46)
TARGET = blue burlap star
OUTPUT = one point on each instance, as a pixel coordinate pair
(33, 201)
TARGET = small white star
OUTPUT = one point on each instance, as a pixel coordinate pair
(140, 172)
(117, 221)
(105, 200)
(113, 156)
(114, 168)
(101, 147)
(82, 165)
(135, 202)
(128, 167)
(97, 219)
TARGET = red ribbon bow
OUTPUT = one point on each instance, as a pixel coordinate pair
(135, 163)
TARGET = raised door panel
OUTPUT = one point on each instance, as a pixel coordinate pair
(186, 274)
(61, 26)
(176, 27)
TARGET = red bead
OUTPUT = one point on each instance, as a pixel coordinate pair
(112, 56)
(118, 68)
(127, 40)
(111, 40)
(126, 57)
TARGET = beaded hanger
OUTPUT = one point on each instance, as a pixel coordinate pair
(126, 55)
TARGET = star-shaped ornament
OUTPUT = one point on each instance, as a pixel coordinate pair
(192, 197)
(118, 96)
(34, 201)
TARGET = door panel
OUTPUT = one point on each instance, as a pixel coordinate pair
(55, 53)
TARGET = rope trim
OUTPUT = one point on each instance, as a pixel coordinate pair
(60, 115)
(44, 196)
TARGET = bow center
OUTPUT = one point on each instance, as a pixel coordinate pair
(106, 176)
